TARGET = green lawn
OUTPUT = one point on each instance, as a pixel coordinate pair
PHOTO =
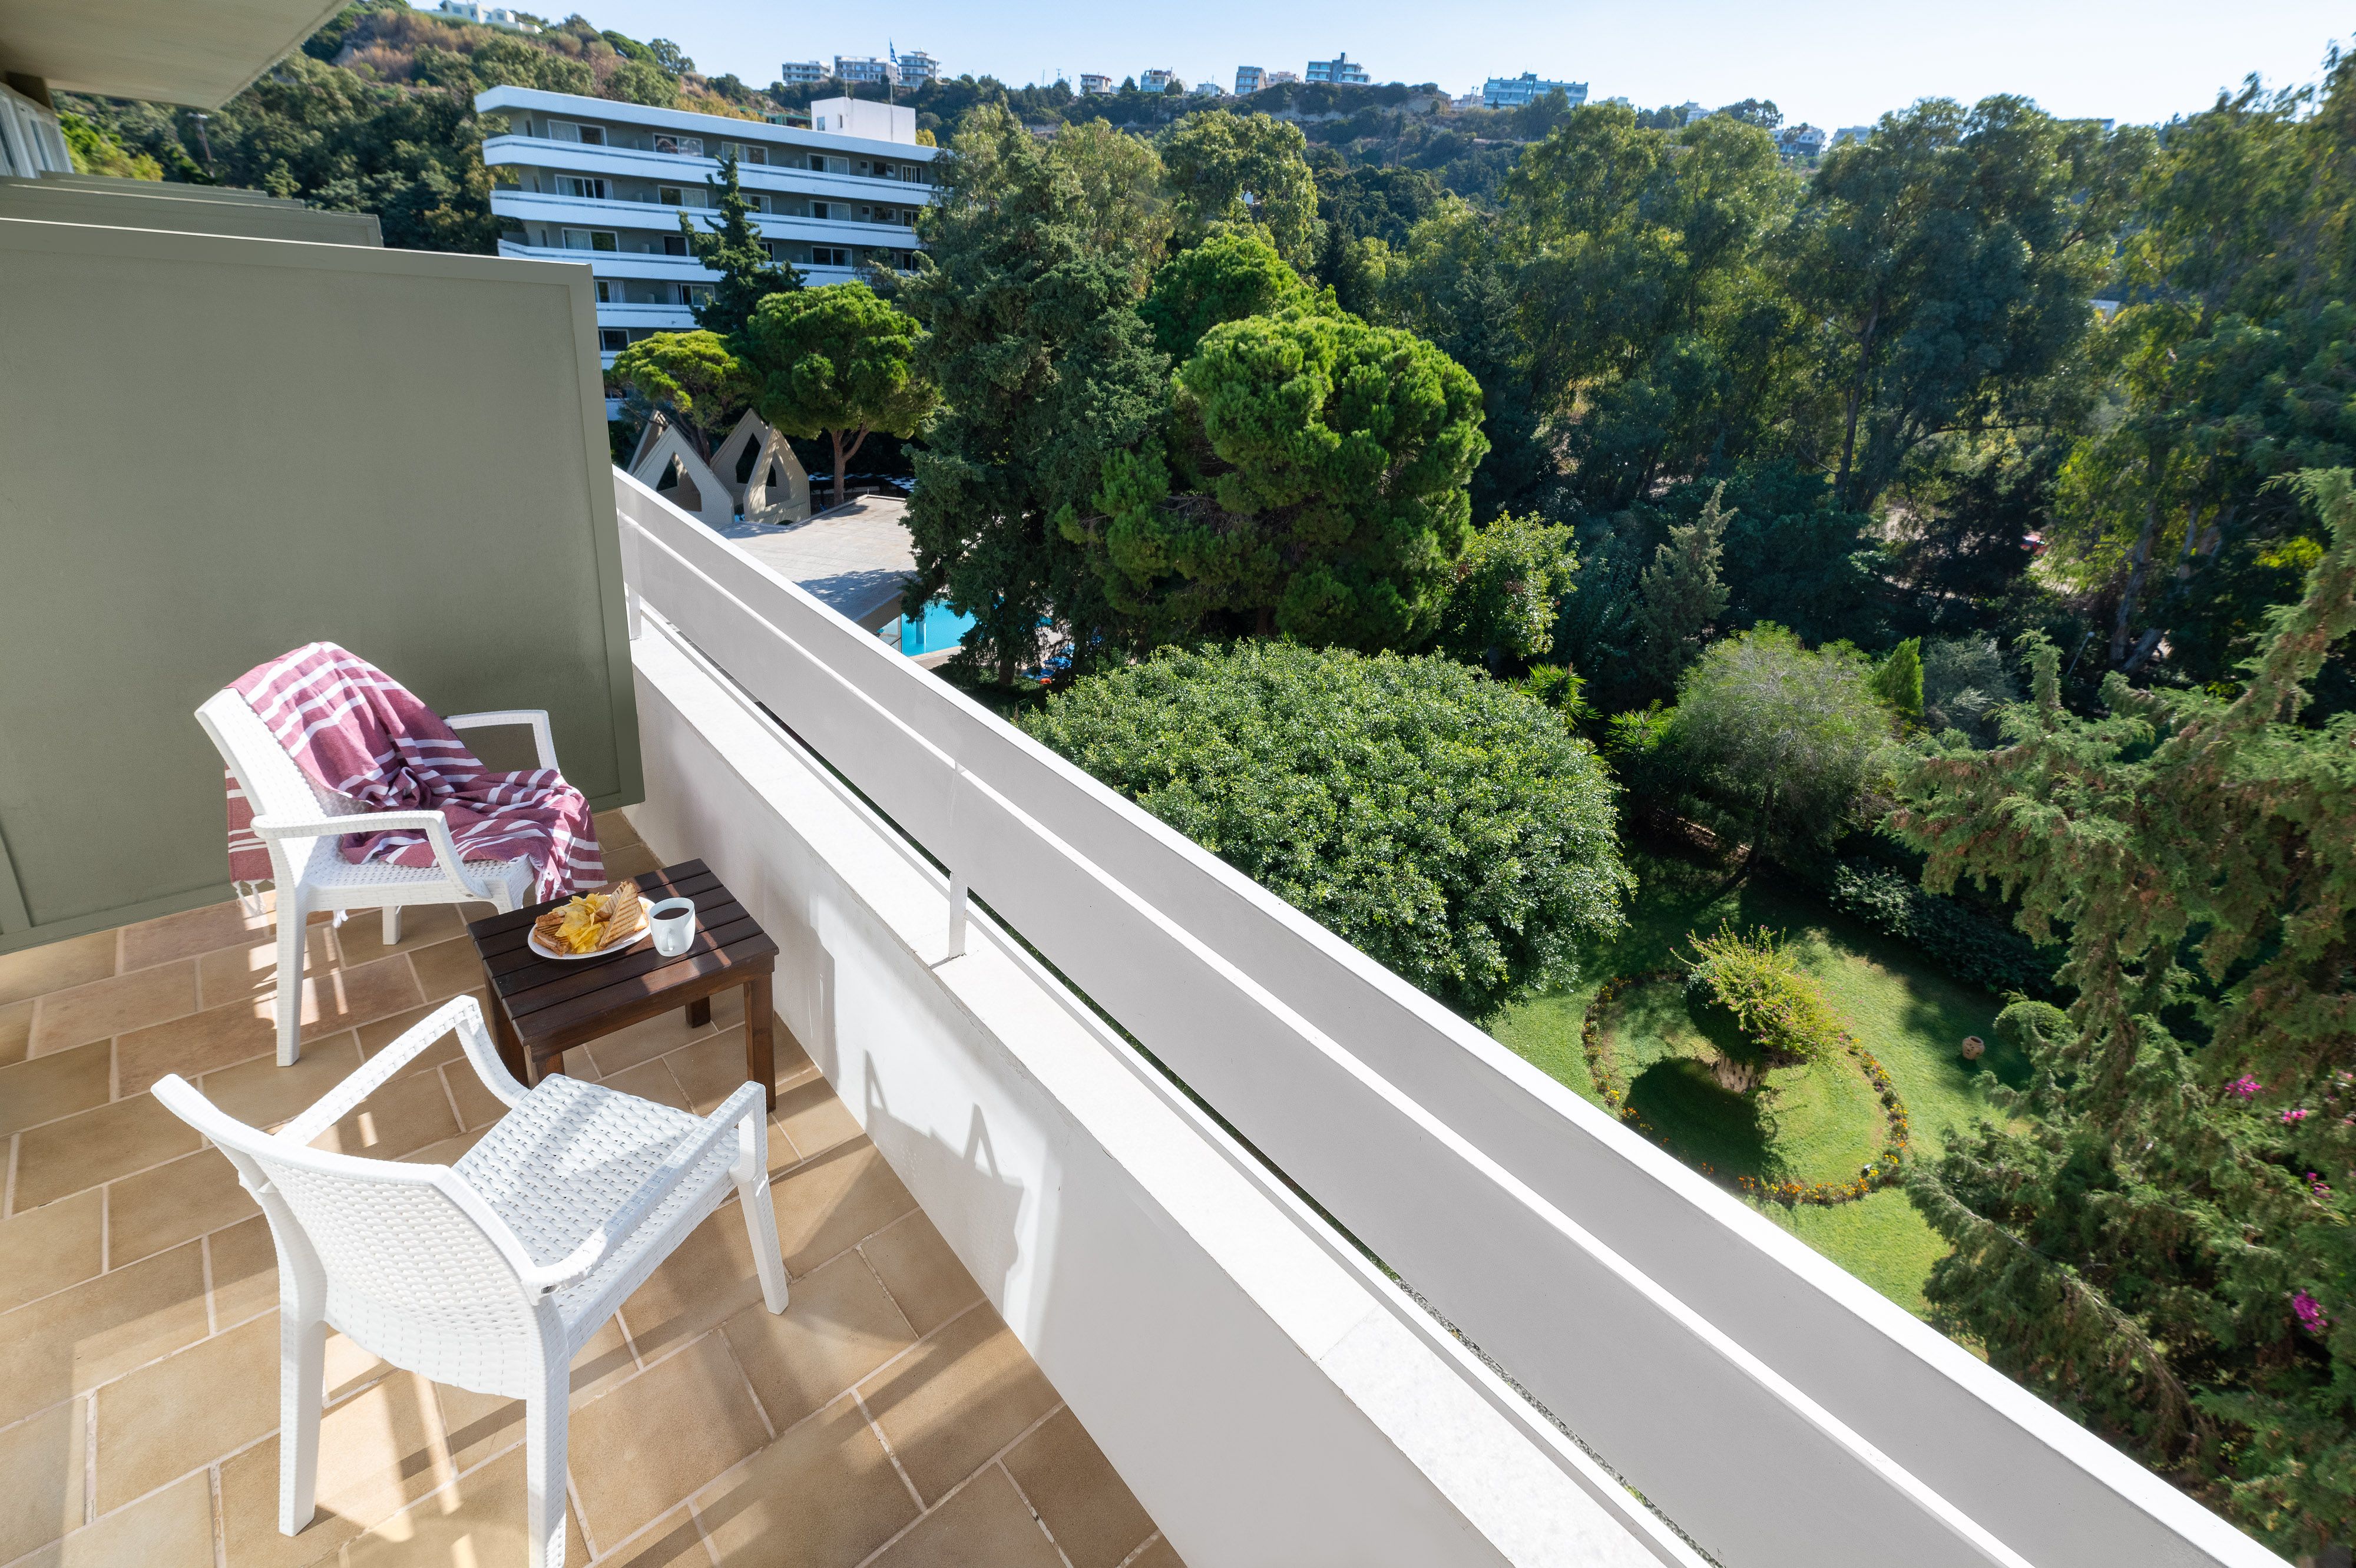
(1901, 1008)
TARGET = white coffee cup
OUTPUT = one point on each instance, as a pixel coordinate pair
(673, 923)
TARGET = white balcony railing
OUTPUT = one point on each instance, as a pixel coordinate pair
(1779, 1412)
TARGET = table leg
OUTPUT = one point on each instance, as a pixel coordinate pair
(699, 1013)
(503, 1036)
(760, 1063)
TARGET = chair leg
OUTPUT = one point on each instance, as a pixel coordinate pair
(752, 1173)
(545, 1419)
(301, 1374)
(294, 916)
(391, 924)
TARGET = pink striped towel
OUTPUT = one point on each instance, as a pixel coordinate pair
(356, 732)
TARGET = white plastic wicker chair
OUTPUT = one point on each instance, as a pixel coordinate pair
(490, 1273)
(301, 824)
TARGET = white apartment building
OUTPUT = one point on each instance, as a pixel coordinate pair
(1339, 69)
(1091, 82)
(1156, 80)
(802, 72)
(488, 16)
(863, 70)
(1513, 91)
(1250, 79)
(591, 179)
(31, 144)
(917, 68)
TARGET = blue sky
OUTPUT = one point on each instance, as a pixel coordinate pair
(1834, 62)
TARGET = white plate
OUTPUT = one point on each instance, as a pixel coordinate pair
(532, 941)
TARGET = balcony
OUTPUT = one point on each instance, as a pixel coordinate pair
(1277, 1261)
(613, 213)
(671, 168)
(889, 1409)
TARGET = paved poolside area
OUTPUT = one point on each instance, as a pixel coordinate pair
(887, 1418)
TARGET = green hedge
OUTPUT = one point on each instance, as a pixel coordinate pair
(1967, 944)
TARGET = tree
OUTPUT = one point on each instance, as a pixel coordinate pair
(411, 156)
(1782, 742)
(1454, 285)
(1449, 826)
(1226, 168)
(1964, 683)
(694, 378)
(1681, 594)
(1950, 260)
(1509, 584)
(1314, 481)
(1233, 274)
(1898, 678)
(1657, 331)
(1034, 265)
(2228, 365)
(836, 361)
(2158, 1245)
(734, 248)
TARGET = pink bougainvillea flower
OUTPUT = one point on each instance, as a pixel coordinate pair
(2309, 1311)
(2298, 1113)
(2245, 1085)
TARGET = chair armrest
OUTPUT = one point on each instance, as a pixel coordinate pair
(483, 1054)
(542, 739)
(748, 1100)
(432, 824)
(460, 1012)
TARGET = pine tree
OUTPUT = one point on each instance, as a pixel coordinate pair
(1681, 594)
(1898, 680)
(2162, 1245)
(734, 251)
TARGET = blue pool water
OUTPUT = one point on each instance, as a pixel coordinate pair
(935, 630)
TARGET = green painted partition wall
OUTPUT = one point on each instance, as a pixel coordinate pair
(148, 204)
(213, 449)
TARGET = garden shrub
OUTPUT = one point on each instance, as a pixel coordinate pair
(1777, 1005)
(1967, 944)
(1448, 825)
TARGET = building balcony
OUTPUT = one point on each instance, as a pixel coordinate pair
(665, 269)
(889, 1408)
(672, 168)
(649, 217)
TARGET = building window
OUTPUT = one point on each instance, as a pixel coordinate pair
(606, 291)
(592, 240)
(582, 188)
(613, 339)
(682, 147)
(566, 131)
(825, 164)
(828, 256)
(827, 209)
(674, 244)
(694, 293)
(745, 152)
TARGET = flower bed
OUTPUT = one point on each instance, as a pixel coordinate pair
(1883, 1172)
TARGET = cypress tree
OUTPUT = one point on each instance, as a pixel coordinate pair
(734, 251)
(1681, 594)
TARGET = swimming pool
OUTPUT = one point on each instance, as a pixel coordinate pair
(935, 630)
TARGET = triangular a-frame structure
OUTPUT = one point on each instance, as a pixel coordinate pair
(762, 473)
(668, 465)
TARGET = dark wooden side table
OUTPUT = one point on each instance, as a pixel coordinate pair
(543, 1008)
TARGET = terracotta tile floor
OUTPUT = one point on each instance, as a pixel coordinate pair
(887, 1418)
